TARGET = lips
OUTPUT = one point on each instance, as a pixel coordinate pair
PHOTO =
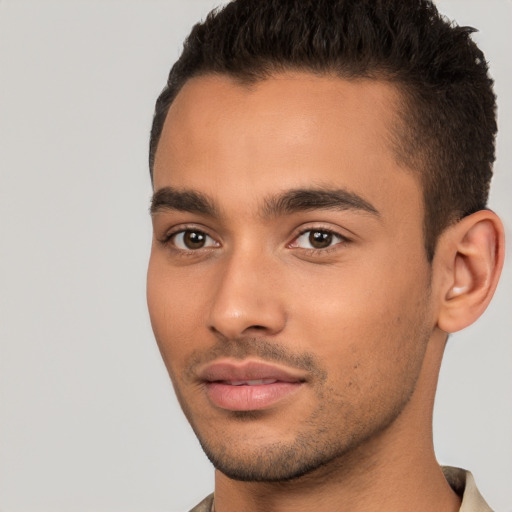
(249, 385)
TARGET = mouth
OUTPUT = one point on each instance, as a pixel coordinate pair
(248, 385)
(254, 382)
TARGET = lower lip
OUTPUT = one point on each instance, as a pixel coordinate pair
(249, 398)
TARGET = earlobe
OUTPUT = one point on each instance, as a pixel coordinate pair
(472, 254)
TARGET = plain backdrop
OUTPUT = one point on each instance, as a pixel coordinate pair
(88, 419)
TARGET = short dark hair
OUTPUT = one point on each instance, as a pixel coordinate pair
(447, 114)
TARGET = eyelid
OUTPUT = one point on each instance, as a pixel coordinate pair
(343, 239)
(171, 233)
(178, 241)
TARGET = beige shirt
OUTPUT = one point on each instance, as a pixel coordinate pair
(461, 481)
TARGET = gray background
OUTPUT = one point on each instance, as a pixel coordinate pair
(88, 420)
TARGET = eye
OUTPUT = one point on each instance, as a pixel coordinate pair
(191, 239)
(317, 239)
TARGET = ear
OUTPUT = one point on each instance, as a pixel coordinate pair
(469, 259)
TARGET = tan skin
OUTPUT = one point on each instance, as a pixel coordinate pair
(346, 287)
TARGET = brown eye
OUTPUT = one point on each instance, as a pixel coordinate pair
(192, 240)
(320, 239)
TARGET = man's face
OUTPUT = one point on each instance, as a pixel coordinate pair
(288, 286)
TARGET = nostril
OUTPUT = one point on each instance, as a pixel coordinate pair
(231, 320)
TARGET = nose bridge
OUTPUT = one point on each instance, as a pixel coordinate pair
(247, 298)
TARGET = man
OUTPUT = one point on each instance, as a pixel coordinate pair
(321, 171)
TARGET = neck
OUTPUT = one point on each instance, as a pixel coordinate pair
(395, 470)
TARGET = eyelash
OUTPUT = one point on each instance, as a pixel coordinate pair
(168, 238)
(167, 241)
(323, 251)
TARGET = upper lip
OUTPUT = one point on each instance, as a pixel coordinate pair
(247, 370)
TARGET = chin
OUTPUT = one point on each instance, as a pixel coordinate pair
(275, 461)
(266, 466)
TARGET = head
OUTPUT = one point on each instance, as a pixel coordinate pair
(445, 124)
(320, 169)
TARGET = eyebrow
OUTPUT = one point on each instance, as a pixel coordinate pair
(168, 198)
(298, 200)
(287, 203)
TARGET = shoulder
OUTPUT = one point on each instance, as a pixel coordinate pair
(205, 505)
(463, 483)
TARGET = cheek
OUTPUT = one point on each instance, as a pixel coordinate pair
(173, 310)
(369, 318)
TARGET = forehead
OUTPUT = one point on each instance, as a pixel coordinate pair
(289, 131)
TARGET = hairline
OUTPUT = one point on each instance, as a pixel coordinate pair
(248, 79)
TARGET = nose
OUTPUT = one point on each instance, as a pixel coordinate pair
(247, 299)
